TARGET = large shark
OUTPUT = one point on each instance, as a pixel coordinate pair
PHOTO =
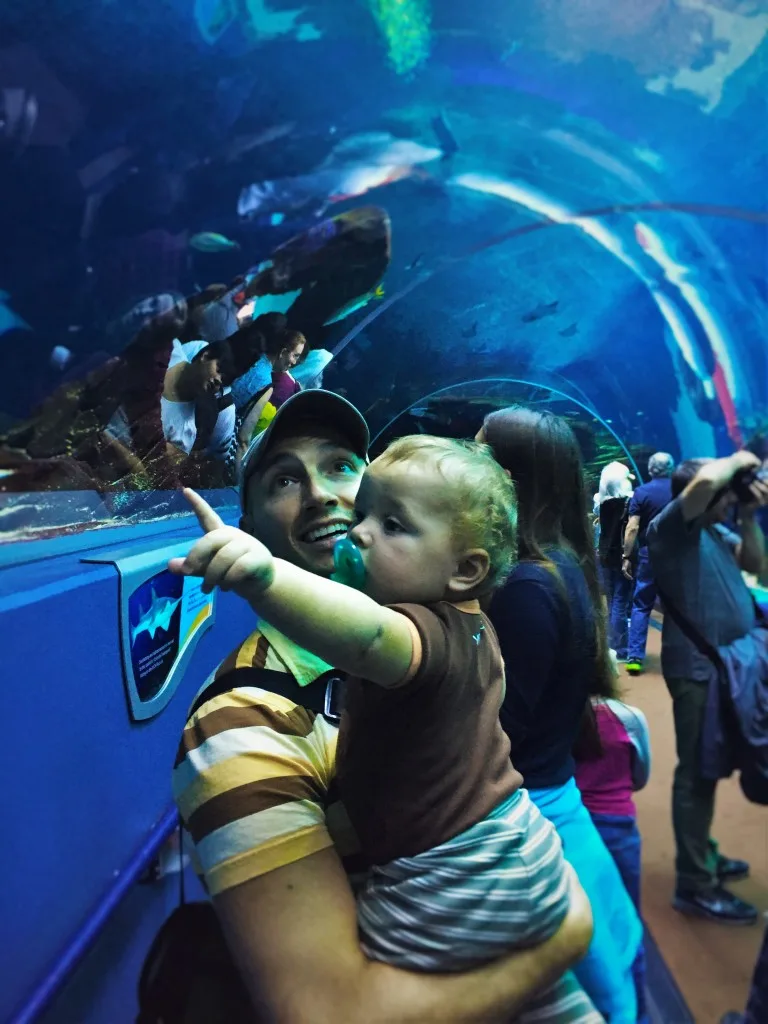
(157, 616)
(354, 166)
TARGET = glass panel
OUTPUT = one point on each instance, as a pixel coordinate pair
(416, 195)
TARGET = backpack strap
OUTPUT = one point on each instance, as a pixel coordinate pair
(324, 696)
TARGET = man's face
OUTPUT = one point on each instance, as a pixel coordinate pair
(302, 498)
(205, 377)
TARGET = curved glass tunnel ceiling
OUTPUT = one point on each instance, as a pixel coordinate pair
(459, 410)
(572, 196)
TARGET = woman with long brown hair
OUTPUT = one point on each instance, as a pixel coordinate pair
(551, 627)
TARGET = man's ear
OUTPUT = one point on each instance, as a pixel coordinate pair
(471, 569)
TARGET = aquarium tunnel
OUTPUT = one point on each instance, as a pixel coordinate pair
(435, 210)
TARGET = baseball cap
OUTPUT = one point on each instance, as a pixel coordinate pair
(315, 405)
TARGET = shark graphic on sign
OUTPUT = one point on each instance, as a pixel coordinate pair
(157, 616)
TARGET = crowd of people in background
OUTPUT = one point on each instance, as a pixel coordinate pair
(686, 539)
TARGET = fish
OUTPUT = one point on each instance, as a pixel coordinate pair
(60, 357)
(539, 312)
(354, 166)
(212, 241)
(380, 149)
(354, 305)
(10, 321)
(569, 332)
(157, 616)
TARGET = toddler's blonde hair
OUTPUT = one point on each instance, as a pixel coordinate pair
(483, 501)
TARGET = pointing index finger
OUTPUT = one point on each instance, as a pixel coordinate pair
(208, 519)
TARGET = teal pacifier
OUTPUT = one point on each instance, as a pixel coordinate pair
(348, 564)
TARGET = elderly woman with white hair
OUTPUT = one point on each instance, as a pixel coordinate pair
(614, 495)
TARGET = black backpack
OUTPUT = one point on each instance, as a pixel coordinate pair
(189, 975)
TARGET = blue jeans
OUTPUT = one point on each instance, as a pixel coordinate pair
(642, 606)
(606, 971)
(621, 836)
(618, 594)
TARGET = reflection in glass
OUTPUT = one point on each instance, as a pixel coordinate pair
(228, 201)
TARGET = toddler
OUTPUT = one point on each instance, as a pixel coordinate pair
(463, 865)
(613, 760)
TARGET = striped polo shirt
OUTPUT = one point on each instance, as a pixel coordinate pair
(254, 773)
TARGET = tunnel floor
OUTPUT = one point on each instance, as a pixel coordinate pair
(711, 964)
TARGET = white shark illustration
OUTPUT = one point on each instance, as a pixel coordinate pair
(157, 616)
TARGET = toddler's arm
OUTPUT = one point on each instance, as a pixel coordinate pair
(340, 625)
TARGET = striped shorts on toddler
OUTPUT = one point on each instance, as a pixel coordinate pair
(501, 885)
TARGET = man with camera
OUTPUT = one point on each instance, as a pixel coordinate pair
(697, 563)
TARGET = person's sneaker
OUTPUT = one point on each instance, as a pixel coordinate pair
(732, 1018)
(634, 667)
(730, 870)
(715, 905)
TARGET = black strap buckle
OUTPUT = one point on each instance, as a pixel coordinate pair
(334, 697)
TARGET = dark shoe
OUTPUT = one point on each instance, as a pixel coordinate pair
(715, 905)
(732, 1018)
(634, 668)
(729, 870)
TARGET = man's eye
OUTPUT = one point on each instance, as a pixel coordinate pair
(393, 526)
(344, 466)
(279, 483)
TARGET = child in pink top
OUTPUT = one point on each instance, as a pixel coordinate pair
(613, 760)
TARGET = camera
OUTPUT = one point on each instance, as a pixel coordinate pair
(743, 480)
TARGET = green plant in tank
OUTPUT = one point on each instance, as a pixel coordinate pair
(405, 25)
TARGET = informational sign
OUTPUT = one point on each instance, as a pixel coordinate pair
(162, 617)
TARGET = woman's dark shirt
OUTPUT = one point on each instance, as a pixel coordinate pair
(546, 632)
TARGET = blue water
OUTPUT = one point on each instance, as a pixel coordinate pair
(584, 228)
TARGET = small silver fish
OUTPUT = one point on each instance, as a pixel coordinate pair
(212, 241)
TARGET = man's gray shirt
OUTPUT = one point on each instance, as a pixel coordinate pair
(696, 568)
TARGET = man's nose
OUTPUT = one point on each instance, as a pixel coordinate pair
(318, 492)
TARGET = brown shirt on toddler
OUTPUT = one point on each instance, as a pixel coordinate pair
(421, 763)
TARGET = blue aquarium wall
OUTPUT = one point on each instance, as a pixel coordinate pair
(439, 208)
(86, 786)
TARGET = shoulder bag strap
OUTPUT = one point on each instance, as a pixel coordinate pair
(323, 696)
(689, 630)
